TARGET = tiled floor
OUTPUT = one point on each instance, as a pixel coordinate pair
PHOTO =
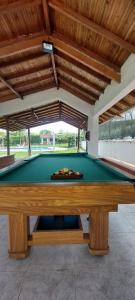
(70, 272)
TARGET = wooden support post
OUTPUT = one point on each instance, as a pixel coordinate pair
(8, 139)
(78, 140)
(99, 232)
(18, 235)
(29, 144)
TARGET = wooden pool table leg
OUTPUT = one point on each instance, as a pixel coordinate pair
(18, 235)
(99, 233)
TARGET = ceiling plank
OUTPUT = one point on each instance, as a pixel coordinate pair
(18, 95)
(26, 82)
(6, 98)
(87, 57)
(85, 81)
(28, 72)
(82, 67)
(78, 53)
(39, 89)
(26, 86)
(88, 23)
(22, 59)
(70, 88)
(93, 97)
(54, 70)
(21, 44)
(11, 7)
(46, 16)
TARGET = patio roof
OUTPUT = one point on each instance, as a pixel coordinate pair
(120, 107)
(37, 116)
(91, 42)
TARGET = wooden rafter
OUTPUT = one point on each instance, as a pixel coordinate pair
(93, 97)
(46, 16)
(19, 4)
(24, 83)
(17, 45)
(75, 91)
(49, 113)
(82, 67)
(39, 89)
(87, 23)
(76, 76)
(54, 70)
(34, 114)
(30, 71)
(78, 53)
(87, 57)
(22, 59)
(26, 86)
(18, 95)
(119, 108)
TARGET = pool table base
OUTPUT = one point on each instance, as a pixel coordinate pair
(19, 255)
(20, 239)
(98, 252)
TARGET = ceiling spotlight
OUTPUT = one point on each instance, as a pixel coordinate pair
(47, 47)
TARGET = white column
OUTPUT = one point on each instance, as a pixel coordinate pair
(29, 143)
(54, 140)
(93, 127)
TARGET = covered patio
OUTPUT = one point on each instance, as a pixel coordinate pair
(72, 61)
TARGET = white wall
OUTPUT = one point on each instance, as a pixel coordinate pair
(43, 98)
(122, 150)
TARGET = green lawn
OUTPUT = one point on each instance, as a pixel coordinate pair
(22, 154)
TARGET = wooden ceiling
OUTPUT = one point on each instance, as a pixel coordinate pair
(53, 112)
(116, 110)
(92, 39)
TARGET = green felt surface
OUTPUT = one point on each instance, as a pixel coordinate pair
(40, 169)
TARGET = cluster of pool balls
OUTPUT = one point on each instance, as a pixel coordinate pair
(67, 172)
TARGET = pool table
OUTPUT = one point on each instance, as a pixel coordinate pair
(26, 189)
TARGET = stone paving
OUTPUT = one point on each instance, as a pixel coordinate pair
(70, 272)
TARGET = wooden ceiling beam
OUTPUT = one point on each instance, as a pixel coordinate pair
(22, 44)
(70, 88)
(54, 70)
(86, 57)
(79, 65)
(6, 98)
(72, 49)
(105, 118)
(24, 59)
(24, 83)
(38, 84)
(92, 97)
(91, 25)
(16, 5)
(28, 72)
(66, 120)
(36, 109)
(38, 89)
(33, 81)
(34, 114)
(115, 110)
(46, 16)
(81, 79)
(71, 119)
(74, 110)
(74, 115)
(18, 95)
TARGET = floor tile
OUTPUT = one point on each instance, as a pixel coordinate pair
(48, 285)
(10, 285)
(106, 284)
